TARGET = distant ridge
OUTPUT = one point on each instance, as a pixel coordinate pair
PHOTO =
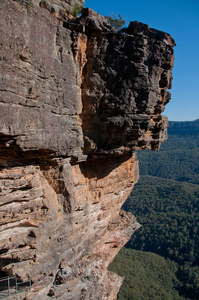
(184, 127)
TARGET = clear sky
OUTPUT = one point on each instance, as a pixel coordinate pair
(180, 18)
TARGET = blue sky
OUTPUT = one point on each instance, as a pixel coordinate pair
(180, 18)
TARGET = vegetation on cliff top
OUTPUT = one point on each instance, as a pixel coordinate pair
(117, 23)
(74, 10)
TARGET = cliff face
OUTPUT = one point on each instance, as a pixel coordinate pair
(76, 99)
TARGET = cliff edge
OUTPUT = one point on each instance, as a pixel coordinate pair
(76, 99)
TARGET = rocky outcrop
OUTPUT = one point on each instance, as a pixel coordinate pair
(125, 85)
(76, 99)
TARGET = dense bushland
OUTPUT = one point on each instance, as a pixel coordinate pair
(166, 203)
(148, 276)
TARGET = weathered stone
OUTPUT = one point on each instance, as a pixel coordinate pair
(62, 9)
(94, 21)
(76, 98)
(125, 83)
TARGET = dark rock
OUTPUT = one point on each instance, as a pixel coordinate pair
(125, 83)
(94, 21)
(141, 29)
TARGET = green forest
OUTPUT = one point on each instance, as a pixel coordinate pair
(162, 258)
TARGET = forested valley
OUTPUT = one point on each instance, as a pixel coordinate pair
(161, 261)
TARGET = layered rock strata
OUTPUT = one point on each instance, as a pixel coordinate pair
(76, 99)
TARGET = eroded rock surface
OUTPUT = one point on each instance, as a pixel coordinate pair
(76, 98)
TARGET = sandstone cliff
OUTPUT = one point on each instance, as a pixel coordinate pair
(76, 99)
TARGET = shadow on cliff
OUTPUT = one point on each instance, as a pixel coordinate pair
(100, 167)
(11, 155)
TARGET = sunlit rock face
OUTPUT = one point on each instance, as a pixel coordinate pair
(76, 98)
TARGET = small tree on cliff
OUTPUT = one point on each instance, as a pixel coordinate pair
(117, 23)
(75, 10)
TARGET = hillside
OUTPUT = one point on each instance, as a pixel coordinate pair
(178, 157)
(148, 276)
(166, 202)
(184, 128)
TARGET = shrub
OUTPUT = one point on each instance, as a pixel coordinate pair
(117, 23)
(74, 10)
